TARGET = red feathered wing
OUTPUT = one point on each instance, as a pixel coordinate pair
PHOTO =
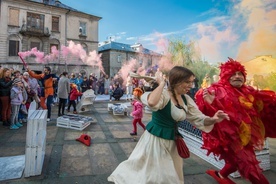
(266, 104)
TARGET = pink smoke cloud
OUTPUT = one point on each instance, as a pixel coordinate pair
(72, 53)
(128, 66)
(33, 52)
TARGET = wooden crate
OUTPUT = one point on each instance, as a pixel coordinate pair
(35, 142)
(86, 102)
(119, 108)
(148, 110)
(76, 122)
(36, 129)
(34, 161)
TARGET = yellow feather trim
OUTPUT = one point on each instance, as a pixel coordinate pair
(245, 133)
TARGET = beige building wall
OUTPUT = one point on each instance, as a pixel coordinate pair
(13, 17)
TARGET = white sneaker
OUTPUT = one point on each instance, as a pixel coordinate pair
(48, 119)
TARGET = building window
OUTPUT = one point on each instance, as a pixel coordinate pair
(52, 46)
(141, 62)
(82, 28)
(13, 17)
(35, 21)
(13, 48)
(119, 58)
(35, 44)
(149, 62)
(55, 23)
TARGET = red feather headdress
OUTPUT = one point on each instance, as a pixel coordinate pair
(229, 68)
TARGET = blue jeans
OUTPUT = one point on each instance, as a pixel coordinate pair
(49, 105)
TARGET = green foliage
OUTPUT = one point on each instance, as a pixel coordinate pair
(271, 81)
(185, 54)
(268, 82)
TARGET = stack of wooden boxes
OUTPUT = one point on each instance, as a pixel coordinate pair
(35, 142)
(74, 121)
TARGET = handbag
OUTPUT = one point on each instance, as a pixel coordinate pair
(181, 146)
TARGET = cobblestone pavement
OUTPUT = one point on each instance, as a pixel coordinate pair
(68, 161)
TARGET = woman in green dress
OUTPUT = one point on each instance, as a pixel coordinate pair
(155, 158)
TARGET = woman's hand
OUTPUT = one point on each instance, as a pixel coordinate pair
(208, 97)
(161, 79)
(220, 115)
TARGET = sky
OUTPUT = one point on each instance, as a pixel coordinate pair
(240, 29)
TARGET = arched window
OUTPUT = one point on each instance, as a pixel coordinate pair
(35, 42)
(54, 43)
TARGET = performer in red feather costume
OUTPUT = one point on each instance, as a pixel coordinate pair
(252, 118)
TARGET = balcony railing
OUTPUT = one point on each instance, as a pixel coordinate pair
(33, 31)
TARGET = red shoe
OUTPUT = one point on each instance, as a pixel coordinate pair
(85, 139)
(220, 180)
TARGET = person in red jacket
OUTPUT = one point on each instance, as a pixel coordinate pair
(74, 93)
(137, 111)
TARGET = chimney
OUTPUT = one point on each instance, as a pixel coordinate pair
(57, 2)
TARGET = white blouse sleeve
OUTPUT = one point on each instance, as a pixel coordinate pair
(195, 116)
(164, 99)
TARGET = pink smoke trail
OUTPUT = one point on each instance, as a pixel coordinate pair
(39, 55)
(127, 67)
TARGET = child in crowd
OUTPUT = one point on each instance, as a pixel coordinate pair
(74, 93)
(137, 111)
(18, 96)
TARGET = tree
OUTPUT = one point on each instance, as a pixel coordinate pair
(185, 54)
(271, 81)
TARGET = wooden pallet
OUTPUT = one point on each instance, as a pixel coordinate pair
(76, 122)
(119, 108)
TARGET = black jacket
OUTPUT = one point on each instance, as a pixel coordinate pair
(5, 86)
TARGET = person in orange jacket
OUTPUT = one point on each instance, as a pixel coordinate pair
(47, 90)
(74, 94)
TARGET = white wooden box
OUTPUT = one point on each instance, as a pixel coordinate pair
(35, 141)
(119, 108)
(194, 144)
(34, 161)
(76, 122)
(36, 128)
(148, 110)
(86, 102)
